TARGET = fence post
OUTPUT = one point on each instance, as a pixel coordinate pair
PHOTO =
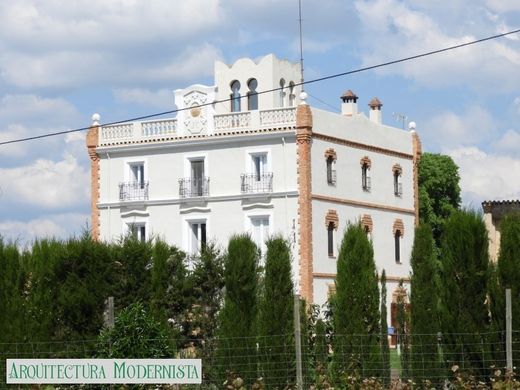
(509, 336)
(109, 312)
(298, 342)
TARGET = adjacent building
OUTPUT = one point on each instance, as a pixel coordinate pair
(494, 211)
(236, 159)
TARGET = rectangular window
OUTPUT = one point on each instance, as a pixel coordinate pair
(137, 174)
(259, 165)
(197, 237)
(138, 231)
(331, 173)
(260, 232)
(197, 177)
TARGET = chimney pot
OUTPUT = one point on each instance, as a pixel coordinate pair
(349, 105)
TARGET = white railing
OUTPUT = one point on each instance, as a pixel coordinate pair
(235, 120)
(159, 128)
(278, 116)
(117, 132)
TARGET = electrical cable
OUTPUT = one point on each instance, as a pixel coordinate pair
(414, 57)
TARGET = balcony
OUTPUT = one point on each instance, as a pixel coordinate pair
(251, 183)
(193, 187)
(133, 190)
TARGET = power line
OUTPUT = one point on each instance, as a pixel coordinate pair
(336, 75)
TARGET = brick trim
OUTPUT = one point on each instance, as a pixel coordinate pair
(397, 169)
(331, 153)
(332, 217)
(351, 202)
(358, 145)
(91, 142)
(303, 163)
(366, 161)
(366, 222)
(398, 225)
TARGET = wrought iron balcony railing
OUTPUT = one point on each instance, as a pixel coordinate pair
(251, 183)
(190, 187)
(133, 190)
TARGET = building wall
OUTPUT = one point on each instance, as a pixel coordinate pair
(268, 71)
(225, 208)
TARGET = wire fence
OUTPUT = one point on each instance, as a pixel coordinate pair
(435, 358)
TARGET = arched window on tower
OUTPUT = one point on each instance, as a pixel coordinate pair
(291, 94)
(282, 92)
(365, 179)
(252, 95)
(235, 96)
(330, 239)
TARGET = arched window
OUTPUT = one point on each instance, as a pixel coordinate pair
(397, 239)
(235, 96)
(330, 172)
(282, 92)
(365, 180)
(291, 94)
(252, 95)
(330, 239)
(398, 187)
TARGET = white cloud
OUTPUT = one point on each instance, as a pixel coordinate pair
(508, 144)
(392, 30)
(516, 105)
(447, 129)
(48, 226)
(503, 5)
(162, 98)
(486, 176)
(46, 183)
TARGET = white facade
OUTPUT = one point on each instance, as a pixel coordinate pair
(219, 168)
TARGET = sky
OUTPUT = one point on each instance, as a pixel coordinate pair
(62, 61)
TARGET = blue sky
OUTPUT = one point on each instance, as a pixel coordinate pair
(62, 61)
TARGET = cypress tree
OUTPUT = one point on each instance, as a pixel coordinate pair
(508, 268)
(276, 317)
(385, 348)
(464, 280)
(356, 312)
(237, 319)
(424, 316)
(403, 331)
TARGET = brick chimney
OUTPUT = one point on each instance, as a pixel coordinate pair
(375, 110)
(349, 105)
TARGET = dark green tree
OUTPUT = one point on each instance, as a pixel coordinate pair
(439, 191)
(276, 317)
(237, 319)
(357, 334)
(403, 330)
(508, 268)
(135, 335)
(385, 347)
(464, 276)
(423, 298)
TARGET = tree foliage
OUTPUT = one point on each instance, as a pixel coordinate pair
(385, 348)
(135, 335)
(439, 190)
(356, 312)
(237, 319)
(464, 279)
(276, 317)
(424, 300)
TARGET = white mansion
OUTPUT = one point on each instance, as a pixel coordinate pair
(236, 160)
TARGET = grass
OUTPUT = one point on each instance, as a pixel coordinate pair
(395, 360)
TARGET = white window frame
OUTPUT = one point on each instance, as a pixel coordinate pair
(189, 157)
(187, 232)
(138, 222)
(127, 174)
(248, 225)
(251, 153)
